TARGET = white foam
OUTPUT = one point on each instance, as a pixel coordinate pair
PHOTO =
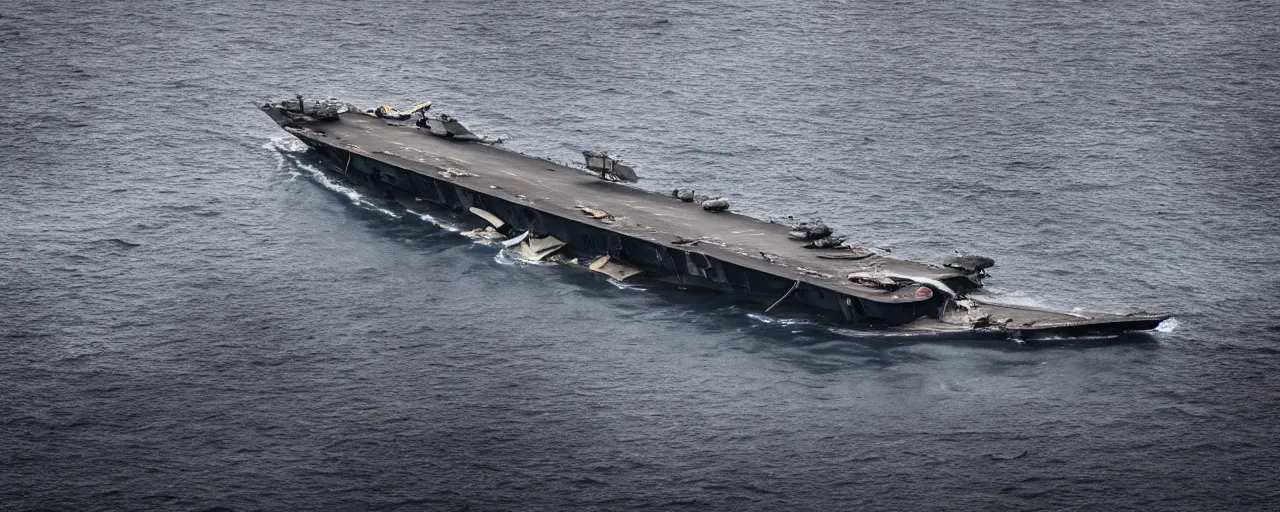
(859, 333)
(436, 221)
(285, 144)
(1169, 325)
(771, 320)
(355, 196)
(289, 149)
(1011, 298)
(513, 258)
(625, 286)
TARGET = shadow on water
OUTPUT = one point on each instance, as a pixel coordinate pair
(707, 311)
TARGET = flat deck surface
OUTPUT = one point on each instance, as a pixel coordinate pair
(558, 189)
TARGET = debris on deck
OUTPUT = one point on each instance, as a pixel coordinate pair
(718, 204)
(610, 168)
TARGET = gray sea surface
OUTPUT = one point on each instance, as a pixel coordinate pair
(194, 317)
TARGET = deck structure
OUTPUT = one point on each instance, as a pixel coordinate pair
(666, 238)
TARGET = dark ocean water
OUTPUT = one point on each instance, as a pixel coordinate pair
(193, 318)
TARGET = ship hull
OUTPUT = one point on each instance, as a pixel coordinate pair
(401, 162)
(586, 242)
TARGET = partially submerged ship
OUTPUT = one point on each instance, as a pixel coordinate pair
(542, 209)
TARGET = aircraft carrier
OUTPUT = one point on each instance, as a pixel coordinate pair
(593, 216)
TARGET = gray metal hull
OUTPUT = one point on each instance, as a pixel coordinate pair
(585, 242)
(350, 145)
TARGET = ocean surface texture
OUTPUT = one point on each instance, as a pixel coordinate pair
(193, 316)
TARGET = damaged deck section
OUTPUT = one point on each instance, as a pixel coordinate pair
(664, 237)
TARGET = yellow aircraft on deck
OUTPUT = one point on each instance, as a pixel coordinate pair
(389, 112)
